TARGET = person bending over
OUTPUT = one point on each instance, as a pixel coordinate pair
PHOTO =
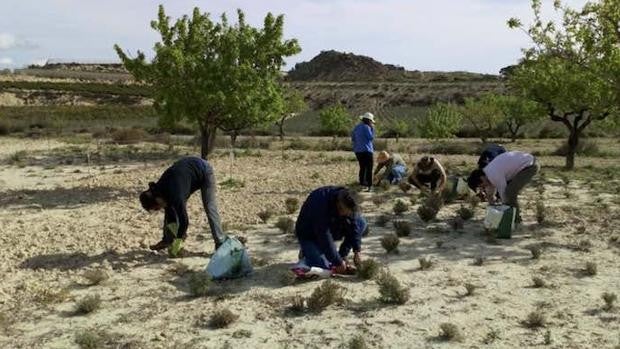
(428, 175)
(393, 165)
(330, 214)
(171, 193)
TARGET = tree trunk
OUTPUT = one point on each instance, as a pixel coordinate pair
(573, 142)
(233, 139)
(207, 139)
(281, 127)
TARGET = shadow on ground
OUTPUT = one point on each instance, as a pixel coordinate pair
(62, 197)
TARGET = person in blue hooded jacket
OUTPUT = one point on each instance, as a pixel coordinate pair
(362, 136)
(330, 214)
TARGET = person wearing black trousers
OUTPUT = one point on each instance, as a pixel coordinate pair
(362, 136)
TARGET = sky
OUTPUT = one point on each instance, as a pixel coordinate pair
(428, 35)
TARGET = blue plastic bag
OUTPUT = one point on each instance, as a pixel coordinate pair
(230, 261)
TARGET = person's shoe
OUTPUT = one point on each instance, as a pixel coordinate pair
(160, 245)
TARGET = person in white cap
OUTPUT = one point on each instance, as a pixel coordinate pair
(362, 136)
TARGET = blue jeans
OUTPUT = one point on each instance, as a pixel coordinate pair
(207, 193)
(397, 174)
(313, 255)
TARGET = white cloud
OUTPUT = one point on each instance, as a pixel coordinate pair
(6, 61)
(7, 41)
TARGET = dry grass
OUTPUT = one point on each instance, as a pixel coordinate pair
(368, 269)
(93, 339)
(179, 269)
(479, 260)
(400, 207)
(379, 200)
(88, 304)
(129, 136)
(297, 304)
(291, 205)
(610, 300)
(450, 332)
(425, 263)
(357, 342)
(52, 296)
(535, 250)
(402, 227)
(538, 282)
(324, 295)
(470, 289)
(222, 318)
(199, 284)
(382, 220)
(535, 319)
(95, 276)
(591, 269)
(465, 213)
(264, 215)
(390, 243)
(390, 289)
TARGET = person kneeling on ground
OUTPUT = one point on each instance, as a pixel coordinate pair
(490, 152)
(329, 214)
(393, 165)
(171, 193)
(428, 175)
(507, 174)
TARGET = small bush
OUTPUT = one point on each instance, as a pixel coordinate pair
(402, 227)
(291, 205)
(199, 284)
(129, 135)
(382, 220)
(52, 296)
(286, 225)
(298, 304)
(470, 289)
(449, 332)
(390, 243)
(473, 201)
(610, 300)
(324, 295)
(368, 269)
(92, 339)
(264, 215)
(457, 223)
(287, 278)
(95, 276)
(390, 289)
(400, 207)
(425, 263)
(535, 319)
(379, 200)
(479, 260)
(88, 304)
(591, 268)
(358, 342)
(584, 245)
(535, 250)
(426, 213)
(538, 282)
(222, 318)
(465, 213)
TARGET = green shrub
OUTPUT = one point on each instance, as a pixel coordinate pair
(324, 295)
(402, 227)
(390, 289)
(368, 269)
(449, 332)
(291, 205)
(222, 318)
(400, 207)
(88, 304)
(286, 225)
(466, 213)
(199, 284)
(390, 243)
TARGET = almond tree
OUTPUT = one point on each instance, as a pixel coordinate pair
(215, 74)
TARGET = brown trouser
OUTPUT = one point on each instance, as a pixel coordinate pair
(518, 182)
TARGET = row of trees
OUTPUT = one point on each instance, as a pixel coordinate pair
(223, 76)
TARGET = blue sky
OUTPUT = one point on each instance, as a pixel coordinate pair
(442, 35)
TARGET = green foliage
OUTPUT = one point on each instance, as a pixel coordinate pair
(325, 295)
(199, 284)
(400, 207)
(294, 105)
(291, 205)
(93, 339)
(216, 75)
(286, 225)
(402, 227)
(450, 332)
(390, 243)
(335, 121)
(390, 289)
(518, 112)
(368, 269)
(88, 304)
(483, 114)
(573, 68)
(441, 121)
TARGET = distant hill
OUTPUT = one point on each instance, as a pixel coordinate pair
(337, 66)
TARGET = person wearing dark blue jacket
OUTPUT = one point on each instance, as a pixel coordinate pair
(490, 152)
(362, 136)
(171, 193)
(330, 214)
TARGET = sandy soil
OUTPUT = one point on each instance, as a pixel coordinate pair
(60, 220)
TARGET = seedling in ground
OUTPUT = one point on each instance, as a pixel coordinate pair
(390, 289)
(425, 263)
(402, 228)
(390, 243)
(591, 269)
(199, 284)
(470, 289)
(96, 276)
(449, 332)
(473, 201)
(291, 205)
(264, 215)
(535, 250)
(222, 318)
(368, 269)
(538, 282)
(465, 213)
(324, 295)
(400, 207)
(286, 225)
(287, 278)
(88, 304)
(535, 319)
(358, 342)
(610, 300)
(548, 338)
(426, 213)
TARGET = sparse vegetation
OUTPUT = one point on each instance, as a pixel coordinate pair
(535, 319)
(382, 220)
(390, 243)
(591, 269)
(297, 304)
(390, 289)
(324, 295)
(358, 342)
(129, 136)
(291, 205)
(610, 300)
(93, 339)
(199, 284)
(470, 289)
(449, 332)
(222, 318)
(538, 282)
(425, 263)
(541, 211)
(368, 269)
(286, 225)
(465, 213)
(88, 304)
(52, 296)
(535, 250)
(265, 214)
(95, 276)
(402, 227)
(379, 200)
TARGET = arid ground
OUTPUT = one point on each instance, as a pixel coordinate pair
(68, 210)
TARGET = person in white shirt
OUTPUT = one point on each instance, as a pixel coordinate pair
(507, 174)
